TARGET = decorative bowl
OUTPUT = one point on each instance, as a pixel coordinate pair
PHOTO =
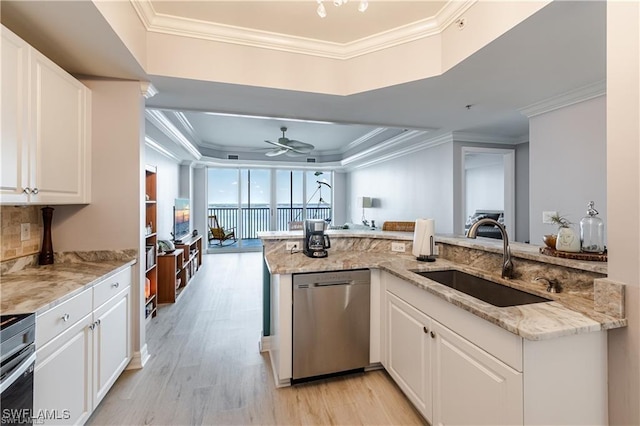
(550, 240)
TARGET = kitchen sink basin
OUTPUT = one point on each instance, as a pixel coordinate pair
(480, 288)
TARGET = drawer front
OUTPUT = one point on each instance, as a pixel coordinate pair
(60, 318)
(113, 285)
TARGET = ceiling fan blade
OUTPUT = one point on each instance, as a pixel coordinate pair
(275, 152)
(300, 147)
(278, 144)
(292, 153)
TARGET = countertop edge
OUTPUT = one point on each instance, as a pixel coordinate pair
(545, 321)
(83, 287)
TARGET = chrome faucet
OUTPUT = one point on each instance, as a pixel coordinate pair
(507, 264)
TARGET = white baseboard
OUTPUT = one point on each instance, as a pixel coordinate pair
(139, 359)
(279, 383)
(264, 344)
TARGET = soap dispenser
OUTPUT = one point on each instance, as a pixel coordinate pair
(592, 231)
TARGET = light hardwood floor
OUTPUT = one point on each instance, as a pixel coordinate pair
(205, 367)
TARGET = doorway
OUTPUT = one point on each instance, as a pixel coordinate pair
(488, 185)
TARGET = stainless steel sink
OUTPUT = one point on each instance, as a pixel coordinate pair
(488, 291)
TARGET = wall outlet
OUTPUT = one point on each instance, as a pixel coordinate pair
(25, 231)
(546, 216)
(436, 249)
(290, 246)
(399, 247)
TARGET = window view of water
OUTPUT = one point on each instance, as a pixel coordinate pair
(240, 199)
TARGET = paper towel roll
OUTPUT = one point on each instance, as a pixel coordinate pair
(424, 230)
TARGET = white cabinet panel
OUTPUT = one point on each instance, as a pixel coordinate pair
(409, 352)
(62, 378)
(59, 133)
(14, 150)
(112, 343)
(471, 386)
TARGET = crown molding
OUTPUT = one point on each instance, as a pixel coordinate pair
(483, 138)
(417, 144)
(160, 120)
(266, 164)
(571, 97)
(187, 27)
(148, 89)
(186, 125)
(160, 149)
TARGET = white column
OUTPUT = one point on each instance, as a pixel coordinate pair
(623, 203)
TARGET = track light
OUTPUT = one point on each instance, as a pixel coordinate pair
(322, 12)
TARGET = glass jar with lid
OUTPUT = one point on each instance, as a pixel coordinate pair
(592, 231)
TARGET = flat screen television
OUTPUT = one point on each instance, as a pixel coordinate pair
(181, 214)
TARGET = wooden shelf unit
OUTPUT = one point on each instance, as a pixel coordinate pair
(177, 269)
(151, 240)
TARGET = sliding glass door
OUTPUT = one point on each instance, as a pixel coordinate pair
(248, 201)
(239, 202)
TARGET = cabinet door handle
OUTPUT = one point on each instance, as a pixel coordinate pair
(35, 191)
(65, 317)
(98, 322)
(27, 190)
(425, 329)
(433, 335)
(115, 285)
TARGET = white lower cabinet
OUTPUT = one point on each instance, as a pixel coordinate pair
(409, 352)
(470, 386)
(111, 343)
(76, 368)
(458, 369)
(62, 377)
(447, 378)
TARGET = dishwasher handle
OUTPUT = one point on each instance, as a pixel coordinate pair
(324, 284)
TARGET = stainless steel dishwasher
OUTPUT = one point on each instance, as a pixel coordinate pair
(330, 322)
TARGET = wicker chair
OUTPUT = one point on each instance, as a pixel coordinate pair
(399, 226)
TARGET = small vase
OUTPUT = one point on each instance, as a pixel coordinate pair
(568, 240)
(46, 253)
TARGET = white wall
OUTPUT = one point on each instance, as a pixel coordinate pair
(339, 204)
(568, 164)
(522, 193)
(200, 213)
(623, 203)
(415, 186)
(111, 220)
(167, 181)
(484, 186)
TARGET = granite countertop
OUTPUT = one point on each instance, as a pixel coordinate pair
(566, 314)
(518, 250)
(39, 288)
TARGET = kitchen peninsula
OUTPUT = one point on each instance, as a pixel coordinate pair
(454, 355)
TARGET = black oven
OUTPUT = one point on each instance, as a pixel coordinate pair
(17, 361)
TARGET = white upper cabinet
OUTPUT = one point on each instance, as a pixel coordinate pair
(46, 116)
(14, 151)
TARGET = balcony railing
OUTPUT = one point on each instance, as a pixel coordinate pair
(257, 219)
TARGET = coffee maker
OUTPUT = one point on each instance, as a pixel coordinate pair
(315, 240)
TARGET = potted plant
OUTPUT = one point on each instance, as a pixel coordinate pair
(566, 239)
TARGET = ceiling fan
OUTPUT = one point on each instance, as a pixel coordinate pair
(290, 147)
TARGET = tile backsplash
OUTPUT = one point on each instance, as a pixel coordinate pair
(11, 217)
